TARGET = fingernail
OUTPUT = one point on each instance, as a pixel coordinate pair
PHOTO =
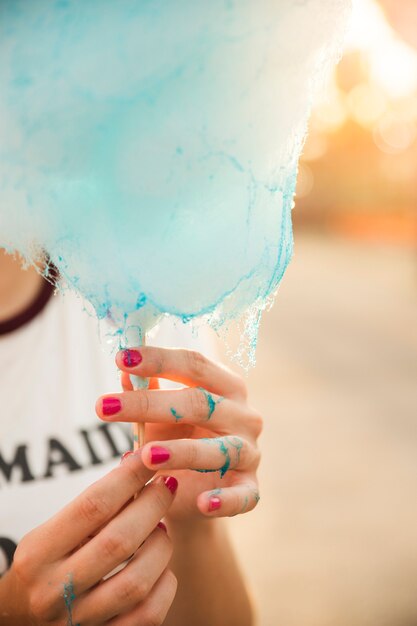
(162, 526)
(111, 406)
(171, 483)
(125, 455)
(131, 358)
(159, 455)
(214, 503)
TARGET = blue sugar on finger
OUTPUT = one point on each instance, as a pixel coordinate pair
(211, 402)
(69, 597)
(224, 444)
(151, 148)
(245, 505)
(176, 415)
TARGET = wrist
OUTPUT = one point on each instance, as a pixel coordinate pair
(185, 531)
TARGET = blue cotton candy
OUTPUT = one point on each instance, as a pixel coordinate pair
(151, 146)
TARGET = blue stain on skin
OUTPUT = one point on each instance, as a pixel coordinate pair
(69, 597)
(176, 415)
(245, 505)
(232, 442)
(211, 402)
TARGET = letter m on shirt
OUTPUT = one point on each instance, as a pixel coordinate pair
(18, 465)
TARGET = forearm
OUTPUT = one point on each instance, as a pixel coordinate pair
(211, 590)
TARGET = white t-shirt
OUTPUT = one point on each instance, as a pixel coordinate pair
(52, 444)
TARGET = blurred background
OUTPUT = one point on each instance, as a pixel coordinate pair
(334, 541)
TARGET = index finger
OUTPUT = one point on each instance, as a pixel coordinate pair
(183, 366)
(84, 515)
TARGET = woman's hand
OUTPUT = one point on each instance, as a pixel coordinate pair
(57, 576)
(206, 431)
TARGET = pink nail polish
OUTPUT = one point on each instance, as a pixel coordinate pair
(131, 358)
(214, 503)
(171, 483)
(159, 455)
(111, 406)
(125, 455)
(162, 526)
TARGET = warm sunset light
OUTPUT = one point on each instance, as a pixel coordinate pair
(379, 90)
(392, 62)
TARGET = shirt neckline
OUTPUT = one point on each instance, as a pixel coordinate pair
(32, 310)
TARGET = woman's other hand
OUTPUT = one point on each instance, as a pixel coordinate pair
(206, 432)
(59, 571)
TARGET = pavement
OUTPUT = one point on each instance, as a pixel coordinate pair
(334, 539)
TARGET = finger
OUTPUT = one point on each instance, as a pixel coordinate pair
(127, 383)
(184, 366)
(154, 609)
(230, 501)
(91, 509)
(132, 585)
(205, 455)
(122, 536)
(186, 406)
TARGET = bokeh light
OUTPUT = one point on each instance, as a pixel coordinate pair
(337, 360)
(362, 148)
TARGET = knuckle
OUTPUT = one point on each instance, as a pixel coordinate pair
(143, 588)
(133, 474)
(197, 363)
(257, 423)
(197, 404)
(191, 454)
(132, 590)
(22, 560)
(40, 607)
(116, 545)
(142, 403)
(93, 508)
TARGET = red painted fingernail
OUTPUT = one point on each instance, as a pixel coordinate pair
(162, 526)
(214, 503)
(125, 455)
(111, 406)
(131, 358)
(159, 455)
(171, 483)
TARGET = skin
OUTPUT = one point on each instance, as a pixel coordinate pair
(196, 441)
(17, 287)
(211, 589)
(84, 542)
(215, 425)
